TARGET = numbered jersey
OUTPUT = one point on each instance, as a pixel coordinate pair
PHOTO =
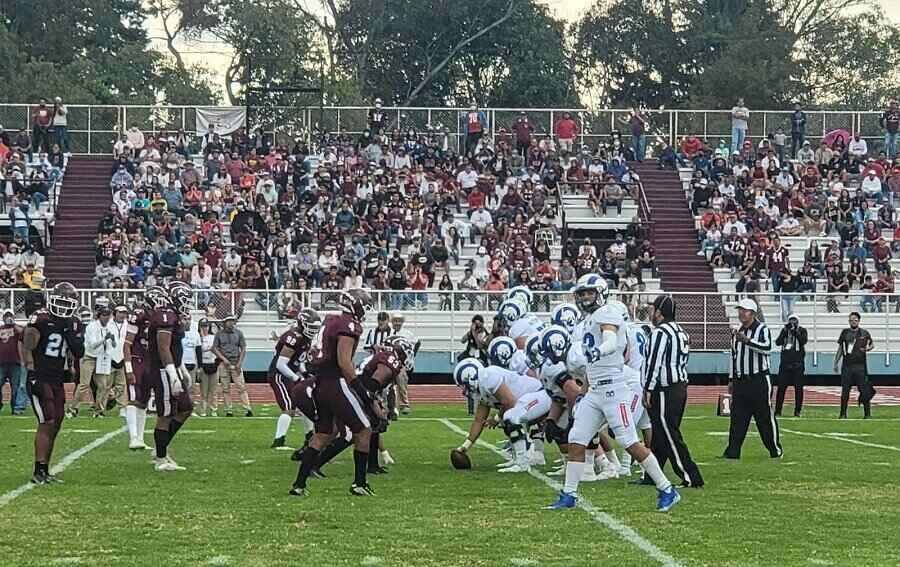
(324, 361)
(635, 354)
(299, 344)
(553, 376)
(165, 319)
(493, 377)
(600, 367)
(525, 327)
(54, 344)
(138, 321)
(388, 359)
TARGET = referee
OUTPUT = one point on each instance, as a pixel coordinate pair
(750, 385)
(665, 391)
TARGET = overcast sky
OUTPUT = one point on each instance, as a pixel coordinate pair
(215, 56)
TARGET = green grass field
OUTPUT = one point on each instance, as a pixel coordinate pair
(830, 501)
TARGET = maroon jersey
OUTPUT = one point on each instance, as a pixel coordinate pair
(381, 358)
(291, 339)
(161, 320)
(57, 338)
(325, 360)
(10, 335)
(138, 321)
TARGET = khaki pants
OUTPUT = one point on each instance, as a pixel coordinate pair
(111, 386)
(403, 390)
(226, 377)
(209, 390)
(83, 390)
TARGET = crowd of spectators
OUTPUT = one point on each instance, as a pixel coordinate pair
(839, 195)
(389, 209)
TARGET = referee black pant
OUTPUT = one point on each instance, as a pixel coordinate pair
(751, 397)
(666, 410)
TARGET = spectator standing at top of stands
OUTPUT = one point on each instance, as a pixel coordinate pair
(566, 131)
(41, 119)
(740, 116)
(638, 124)
(890, 121)
(475, 126)
(523, 129)
(134, 139)
(798, 130)
(61, 124)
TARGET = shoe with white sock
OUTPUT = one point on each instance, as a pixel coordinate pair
(625, 471)
(386, 459)
(515, 468)
(165, 466)
(506, 464)
(176, 466)
(588, 475)
(607, 474)
(537, 459)
(137, 444)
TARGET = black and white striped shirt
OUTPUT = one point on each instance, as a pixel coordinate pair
(377, 336)
(667, 356)
(751, 357)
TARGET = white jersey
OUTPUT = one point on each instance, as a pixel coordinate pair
(494, 376)
(549, 375)
(576, 363)
(634, 355)
(609, 367)
(525, 327)
(519, 363)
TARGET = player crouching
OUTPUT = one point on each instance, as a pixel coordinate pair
(288, 366)
(520, 400)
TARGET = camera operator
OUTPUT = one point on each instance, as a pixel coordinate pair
(792, 341)
(476, 340)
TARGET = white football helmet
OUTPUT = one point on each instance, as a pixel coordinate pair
(591, 292)
(511, 310)
(466, 374)
(534, 356)
(565, 315)
(522, 293)
(620, 308)
(501, 351)
(555, 343)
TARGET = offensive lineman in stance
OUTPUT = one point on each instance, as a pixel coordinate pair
(50, 334)
(338, 406)
(167, 374)
(287, 367)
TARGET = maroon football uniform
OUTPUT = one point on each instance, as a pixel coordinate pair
(57, 338)
(381, 358)
(281, 384)
(167, 403)
(325, 360)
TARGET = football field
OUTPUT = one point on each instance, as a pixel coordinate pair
(832, 500)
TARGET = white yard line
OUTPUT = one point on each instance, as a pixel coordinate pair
(844, 439)
(614, 524)
(62, 465)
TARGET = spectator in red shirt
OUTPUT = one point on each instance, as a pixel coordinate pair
(10, 366)
(691, 146)
(40, 119)
(566, 131)
(523, 129)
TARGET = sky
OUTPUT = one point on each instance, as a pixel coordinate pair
(215, 56)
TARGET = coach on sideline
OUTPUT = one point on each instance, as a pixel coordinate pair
(750, 385)
(665, 391)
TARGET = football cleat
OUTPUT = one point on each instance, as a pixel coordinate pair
(537, 459)
(386, 458)
(53, 479)
(172, 462)
(625, 471)
(317, 473)
(137, 445)
(516, 468)
(298, 491)
(39, 478)
(164, 466)
(361, 490)
(277, 443)
(608, 474)
(667, 499)
(377, 470)
(297, 455)
(564, 502)
(506, 464)
(589, 475)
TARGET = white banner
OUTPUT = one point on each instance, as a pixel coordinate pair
(221, 120)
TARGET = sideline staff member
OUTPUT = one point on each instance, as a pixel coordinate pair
(792, 341)
(853, 346)
(751, 386)
(665, 391)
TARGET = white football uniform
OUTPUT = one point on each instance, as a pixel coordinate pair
(525, 327)
(549, 375)
(494, 376)
(609, 399)
(634, 373)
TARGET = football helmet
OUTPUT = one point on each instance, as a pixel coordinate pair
(522, 293)
(62, 300)
(308, 323)
(404, 350)
(565, 315)
(355, 302)
(182, 297)
(156, 297)
(620, 308)
(512, 310)
(466, 374)
(85, 314)
(591, 292)
(555, 343)
(534, 356)
(501, 351)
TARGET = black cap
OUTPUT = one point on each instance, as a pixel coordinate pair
(665, 305)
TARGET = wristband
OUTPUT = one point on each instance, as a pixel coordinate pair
(128, 367)
(171, 372)
(466, 444)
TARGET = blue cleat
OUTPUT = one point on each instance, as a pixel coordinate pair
(667, 499)
(565, 501)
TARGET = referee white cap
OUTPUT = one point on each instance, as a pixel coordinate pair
(747, 304)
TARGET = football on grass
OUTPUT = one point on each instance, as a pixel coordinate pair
(460, 459)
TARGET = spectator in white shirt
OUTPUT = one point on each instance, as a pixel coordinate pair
(480, 265)
(481, 219)
(734, 224)
(96, 364)
(858, 147)
(789, 226)
(401, 160)
(587, 248)
(201, 278)
(467, 178)
(871, 185)
(123, 199)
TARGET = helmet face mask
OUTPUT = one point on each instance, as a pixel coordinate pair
(156, 298)
(62, 300)
(356, 302)
(181, 297)
(404, 350)
(591, 292)
(308, 323)
(534, 356)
